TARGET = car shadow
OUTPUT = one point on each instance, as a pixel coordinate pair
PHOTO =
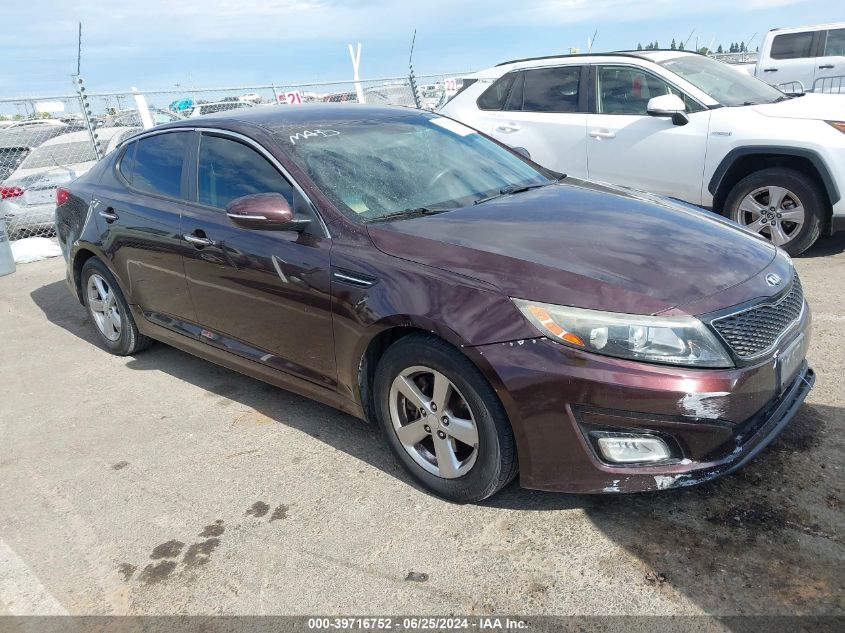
(340, 430)
(826, 246)
(767, 539)
(764, 540)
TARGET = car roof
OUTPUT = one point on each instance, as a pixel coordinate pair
(31, 136)
(652, 55)
(809, 27)
(285, 116)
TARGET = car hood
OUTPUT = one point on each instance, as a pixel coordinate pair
(826, 107)
(587, 245)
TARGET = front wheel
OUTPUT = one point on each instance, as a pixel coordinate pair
(443, 421)
(783, 205)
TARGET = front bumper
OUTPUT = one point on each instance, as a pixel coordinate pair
(715, 420)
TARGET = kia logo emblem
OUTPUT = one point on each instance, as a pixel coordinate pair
(772, 279)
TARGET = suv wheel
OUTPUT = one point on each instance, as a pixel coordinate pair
(109, 311)
(443, 420)
(783, 205)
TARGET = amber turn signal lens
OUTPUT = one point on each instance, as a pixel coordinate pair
(839, 125)
(548, 322)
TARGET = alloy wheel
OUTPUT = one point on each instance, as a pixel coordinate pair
(433, 422)
(104, 308)
(774, 212)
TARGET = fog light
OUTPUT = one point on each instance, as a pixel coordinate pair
(627, 449)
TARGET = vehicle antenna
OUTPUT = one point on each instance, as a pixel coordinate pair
(411, 79)
(79, 51)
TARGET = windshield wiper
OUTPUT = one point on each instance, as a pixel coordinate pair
(512, 189)
(410, 213)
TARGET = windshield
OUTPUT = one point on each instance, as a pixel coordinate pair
(60, 154)
(729, 86)
(379, 168)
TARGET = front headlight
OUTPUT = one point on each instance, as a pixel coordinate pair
(671, 340)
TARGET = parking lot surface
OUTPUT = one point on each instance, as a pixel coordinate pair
(163, 484)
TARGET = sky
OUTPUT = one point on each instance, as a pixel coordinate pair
(155, 44)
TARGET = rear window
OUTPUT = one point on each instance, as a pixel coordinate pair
(792, 45)
(59, 155)
(495, 96)
(552, 89)
(154, 164)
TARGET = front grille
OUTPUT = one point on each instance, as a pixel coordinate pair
(755, 331)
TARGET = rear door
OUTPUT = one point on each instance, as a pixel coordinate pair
(138, 207)
(628, 147)
(546, 113)
(261, 294)
(830, 64)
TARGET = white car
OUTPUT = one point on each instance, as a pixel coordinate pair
(28, 201)
(804, 58)
(679, 125)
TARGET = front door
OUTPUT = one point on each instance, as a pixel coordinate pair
(830, 65)
(626, 146)
(262, 294)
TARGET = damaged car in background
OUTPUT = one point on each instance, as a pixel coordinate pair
(493, 317)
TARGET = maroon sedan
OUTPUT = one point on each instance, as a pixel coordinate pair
(495, 318)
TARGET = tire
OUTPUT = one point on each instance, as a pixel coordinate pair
(101, 290)
(801, 193)
(469, 473)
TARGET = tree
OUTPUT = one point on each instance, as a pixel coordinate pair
(742, 48)
(674, 45)
(681, 46)
(639, 46)
(720, 50)
(656, 45)
(703, 50)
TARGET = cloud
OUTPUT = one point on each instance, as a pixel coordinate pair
(192, 22)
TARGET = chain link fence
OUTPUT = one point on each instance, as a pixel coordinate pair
(46, 142)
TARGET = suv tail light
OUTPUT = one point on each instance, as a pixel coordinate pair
(11, 192)
(61, 196)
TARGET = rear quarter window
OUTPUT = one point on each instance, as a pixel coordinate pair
(495, 96)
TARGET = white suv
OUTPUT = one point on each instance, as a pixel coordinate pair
(677, 124)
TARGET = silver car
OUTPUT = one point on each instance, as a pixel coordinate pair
(28, 201)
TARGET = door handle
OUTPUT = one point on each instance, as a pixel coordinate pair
(769, 70)
(602, 134)
(108, 215)
(826, 66)
(507, 129)
(197, 240)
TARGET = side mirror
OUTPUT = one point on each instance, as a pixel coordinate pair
(670, 106)
(522, 151)
(268, 211)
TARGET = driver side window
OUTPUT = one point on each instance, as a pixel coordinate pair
(627, 90)
(229, 169)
